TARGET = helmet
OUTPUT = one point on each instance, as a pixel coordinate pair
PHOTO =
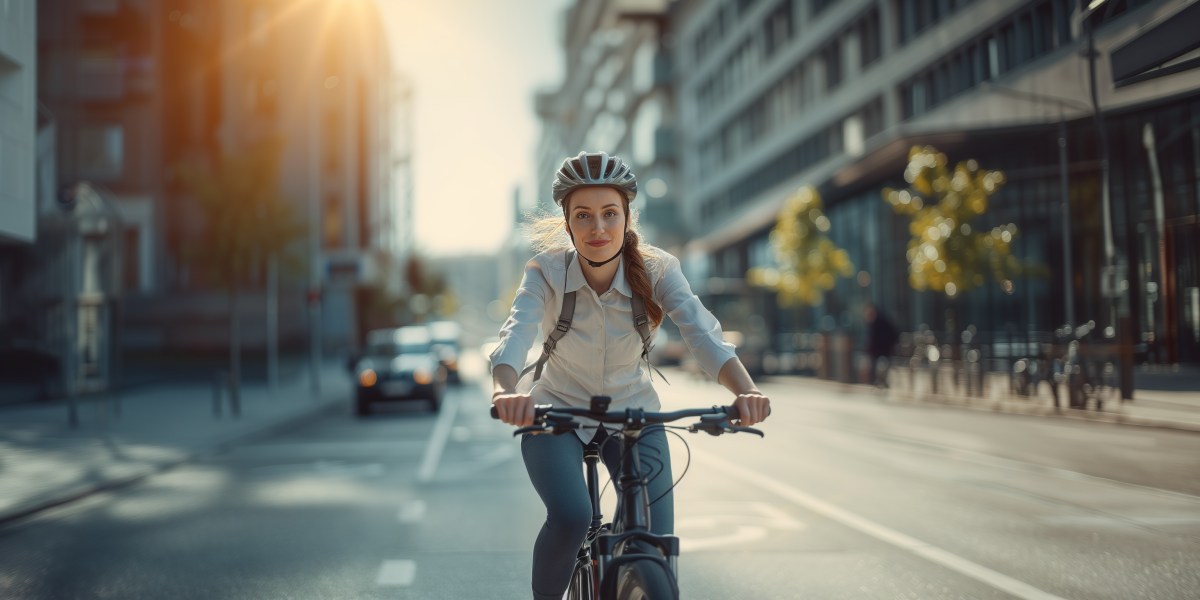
(594, 169)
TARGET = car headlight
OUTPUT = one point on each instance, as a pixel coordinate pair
(367, 378)
(422, 377)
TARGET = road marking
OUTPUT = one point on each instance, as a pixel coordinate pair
(396, 573)
(412, 511)
(925, 550)
(437, 441)
(723, 524)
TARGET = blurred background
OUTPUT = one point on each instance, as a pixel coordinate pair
(184, 179)
(230, 230)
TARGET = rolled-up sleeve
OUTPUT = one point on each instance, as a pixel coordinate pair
(521, 329)
(700, 329)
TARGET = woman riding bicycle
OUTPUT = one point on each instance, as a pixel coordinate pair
(600, 350)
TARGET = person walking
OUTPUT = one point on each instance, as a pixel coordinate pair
(609, 292)
(881, 340)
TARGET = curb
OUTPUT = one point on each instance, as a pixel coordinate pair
(1011, 407)
(219, 445)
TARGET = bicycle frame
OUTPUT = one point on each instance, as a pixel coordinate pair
(631, 522)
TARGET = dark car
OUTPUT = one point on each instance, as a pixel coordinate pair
(447, 345)
(398, 364)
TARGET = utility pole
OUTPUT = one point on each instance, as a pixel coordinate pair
(313, 296)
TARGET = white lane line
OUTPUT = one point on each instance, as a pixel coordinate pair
(437, 441)
(412, 511)
(1000, 581)
(396, 573)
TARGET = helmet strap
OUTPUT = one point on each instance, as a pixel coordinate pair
(601, 264)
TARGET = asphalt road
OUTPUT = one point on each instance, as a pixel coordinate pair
(847, 497)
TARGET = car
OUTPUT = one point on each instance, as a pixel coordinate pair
(398, 364)
(447, 344)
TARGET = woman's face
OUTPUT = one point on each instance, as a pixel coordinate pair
(596, 221)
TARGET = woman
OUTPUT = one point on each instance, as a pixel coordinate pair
(601, 352)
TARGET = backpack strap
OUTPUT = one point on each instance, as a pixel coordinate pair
(642, 323)
(560, 329)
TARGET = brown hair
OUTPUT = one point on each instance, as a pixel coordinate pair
(638, 277)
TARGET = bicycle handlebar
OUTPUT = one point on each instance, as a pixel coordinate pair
(714, 420)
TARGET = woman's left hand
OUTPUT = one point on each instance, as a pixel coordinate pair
(753, 407)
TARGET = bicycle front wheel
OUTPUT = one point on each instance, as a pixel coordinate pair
(645, 580)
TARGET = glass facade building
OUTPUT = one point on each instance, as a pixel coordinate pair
(776, 95)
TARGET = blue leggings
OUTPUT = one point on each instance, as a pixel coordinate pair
(554, 463)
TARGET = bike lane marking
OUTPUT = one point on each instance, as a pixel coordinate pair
(437, 440)
(733, 522)
(945, 558)
(396, 573)
(411, 511)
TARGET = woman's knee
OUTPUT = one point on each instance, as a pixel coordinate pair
(571, 518)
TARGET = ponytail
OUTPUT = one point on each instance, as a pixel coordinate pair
(639, 278)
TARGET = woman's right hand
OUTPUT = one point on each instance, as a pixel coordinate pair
(514, 408)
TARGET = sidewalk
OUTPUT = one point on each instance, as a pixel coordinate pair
(1161, 399)
(44, 462)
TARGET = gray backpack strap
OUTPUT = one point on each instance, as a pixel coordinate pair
(560, 329)
(642, 323)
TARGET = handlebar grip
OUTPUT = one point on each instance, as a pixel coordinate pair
(733, 413)
(495, 413)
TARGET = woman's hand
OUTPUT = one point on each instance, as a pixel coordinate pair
(513, 408)
(753, 407)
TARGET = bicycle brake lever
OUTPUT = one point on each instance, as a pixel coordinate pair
(740, 429)
(532, 429)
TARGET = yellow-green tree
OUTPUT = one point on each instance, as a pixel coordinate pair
(948, 254)
(807, 262)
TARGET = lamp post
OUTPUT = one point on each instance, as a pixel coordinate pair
(1116, 288)
(313, 296)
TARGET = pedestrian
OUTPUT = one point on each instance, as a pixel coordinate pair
(882, 336)
(593, 250)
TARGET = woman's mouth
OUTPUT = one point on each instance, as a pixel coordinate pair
(598, 243)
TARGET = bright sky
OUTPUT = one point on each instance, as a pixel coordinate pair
(475, 65)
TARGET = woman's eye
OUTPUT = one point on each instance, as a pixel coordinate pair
(610, 214)
(581, 215)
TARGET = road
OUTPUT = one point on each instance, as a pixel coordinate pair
(848, 496)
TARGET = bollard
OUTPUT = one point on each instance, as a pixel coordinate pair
(72, 411)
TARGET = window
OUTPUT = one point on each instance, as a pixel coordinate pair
(100, 152)
(871, 48)
(777, 28)
(832, 58)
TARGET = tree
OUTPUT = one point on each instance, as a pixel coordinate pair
(947, 254)
(808, 262)
(246, 222)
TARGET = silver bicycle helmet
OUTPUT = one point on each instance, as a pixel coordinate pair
(594, 169)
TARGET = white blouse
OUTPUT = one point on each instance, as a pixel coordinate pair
(601, 354)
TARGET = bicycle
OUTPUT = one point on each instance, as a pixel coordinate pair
(623, 559)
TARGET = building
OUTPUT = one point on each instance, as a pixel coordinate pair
(616, 97)
(775, 94)
(18, 172)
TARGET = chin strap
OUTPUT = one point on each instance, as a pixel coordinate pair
(601, 264)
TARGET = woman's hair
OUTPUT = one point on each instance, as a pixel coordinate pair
(546, 232)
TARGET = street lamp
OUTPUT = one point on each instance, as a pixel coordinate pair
(1115, 287)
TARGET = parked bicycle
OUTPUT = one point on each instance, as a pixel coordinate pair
(622, 559)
